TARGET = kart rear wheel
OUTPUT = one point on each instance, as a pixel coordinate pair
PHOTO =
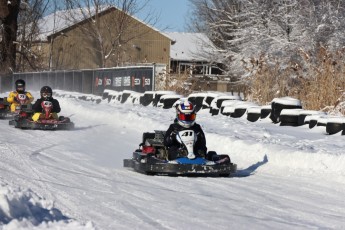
(224, 174)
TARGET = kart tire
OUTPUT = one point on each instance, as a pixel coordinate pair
(224, 174)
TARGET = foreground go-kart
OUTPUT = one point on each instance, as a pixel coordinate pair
(46, 122)
(151, 158)
(5, 111)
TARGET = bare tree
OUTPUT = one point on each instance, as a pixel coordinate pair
(9, 11)
(219, 20)
(28, 57)
(19, 34)
(245, 30)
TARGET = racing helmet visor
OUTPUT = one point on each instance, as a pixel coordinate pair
(186, 117)
(46, 95)
(20, 87)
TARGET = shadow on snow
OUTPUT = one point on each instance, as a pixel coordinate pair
(251, 169)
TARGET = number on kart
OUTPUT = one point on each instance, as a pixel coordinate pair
(21, 96)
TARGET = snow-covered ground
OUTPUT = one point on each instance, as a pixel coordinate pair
(288, 177)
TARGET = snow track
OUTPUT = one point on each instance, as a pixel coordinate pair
(285, 180)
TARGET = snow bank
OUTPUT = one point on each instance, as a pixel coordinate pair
(23, 209)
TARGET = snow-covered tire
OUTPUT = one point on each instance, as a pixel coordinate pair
(238, 112)
(277, 108)
(312, 123)
(253, 116)
(265, 113)
(333, 128)
(290, 120)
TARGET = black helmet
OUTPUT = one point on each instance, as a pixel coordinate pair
(46, 92)
(20, 86)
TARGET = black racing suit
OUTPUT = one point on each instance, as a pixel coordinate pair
(174, 146)
(37, 107)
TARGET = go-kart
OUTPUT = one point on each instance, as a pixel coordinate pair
(5, 111)
(46, 121)
(152, 158)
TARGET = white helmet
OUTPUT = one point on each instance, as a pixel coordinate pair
(185, 114)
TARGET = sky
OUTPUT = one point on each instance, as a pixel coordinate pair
(287, 177)
(173, 15)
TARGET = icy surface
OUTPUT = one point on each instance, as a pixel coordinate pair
(288, 177)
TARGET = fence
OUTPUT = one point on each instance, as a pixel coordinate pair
(136, 78)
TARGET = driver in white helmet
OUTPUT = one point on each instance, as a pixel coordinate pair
(185, 120)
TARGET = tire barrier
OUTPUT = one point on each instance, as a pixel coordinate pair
(335, 127)
(265, 111)
(286, 111)
(254, 113)
(291, 117)
(278, 104)
(168, 101)
(147, 98)
(198, 100)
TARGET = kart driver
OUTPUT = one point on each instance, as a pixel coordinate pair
(14, 96)
(46, 96)
(185, 120)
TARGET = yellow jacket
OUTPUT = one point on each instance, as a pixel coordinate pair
(13, 101)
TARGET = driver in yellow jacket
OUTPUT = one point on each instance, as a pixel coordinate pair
(20, 96)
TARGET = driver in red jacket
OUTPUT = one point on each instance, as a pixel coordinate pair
(46, 97)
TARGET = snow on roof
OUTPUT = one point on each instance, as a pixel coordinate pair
(189, 46)
(60, 20)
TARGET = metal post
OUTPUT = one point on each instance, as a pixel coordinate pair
(153, 76)
(64, 80)
(73, 82)
(82, 81)
(92, 83)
